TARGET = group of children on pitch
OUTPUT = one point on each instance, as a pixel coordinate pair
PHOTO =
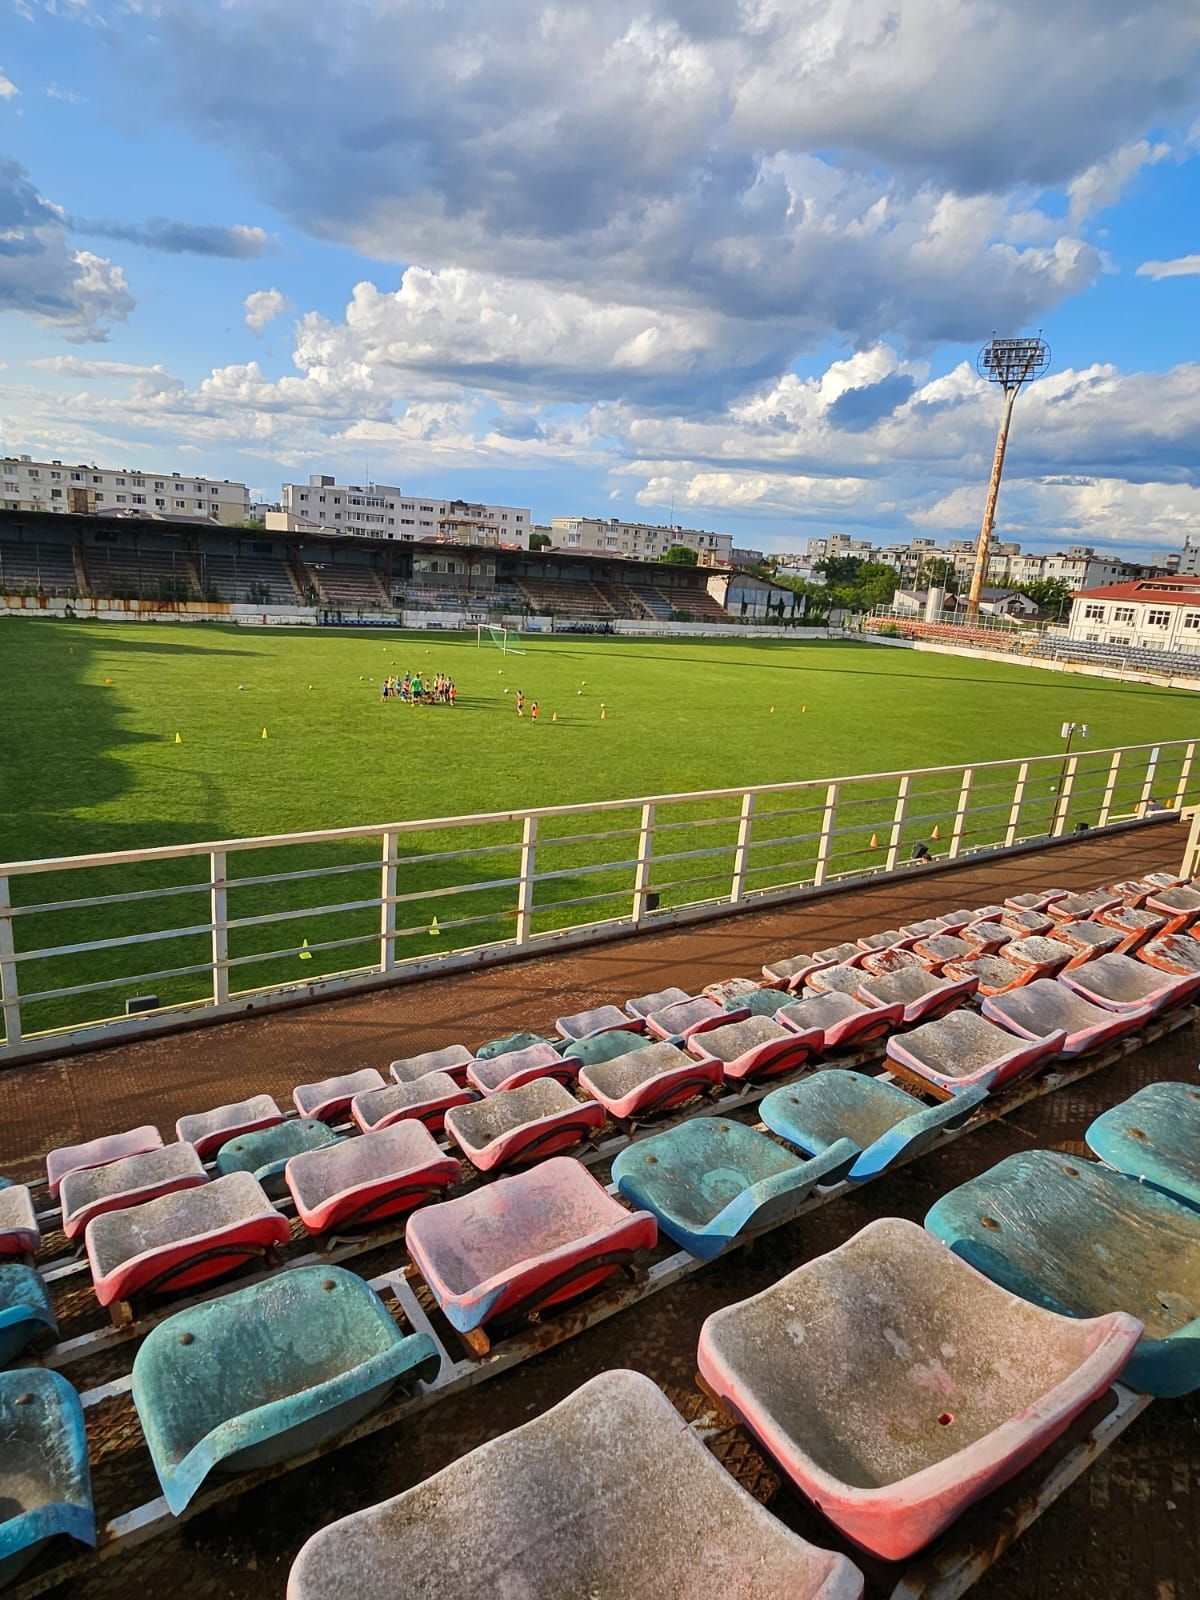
(533, 707)
(414, 691)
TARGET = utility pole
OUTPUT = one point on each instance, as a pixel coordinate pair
(1009, 363)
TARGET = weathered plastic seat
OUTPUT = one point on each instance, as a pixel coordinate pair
(425, 1099)
(1180, 905)
(880, 962)
(657, 1077)
(506, 1046)
(882, 1123)
(1040, 956)
(330, 1099)
(1120, 982)
(762, 1003)
(25, 1309)
(515, 1067)
(604, 1047)
(839, 979)
(98, 1152)
(266, 1154)
(182, 1239)
(1133, 891)
(964, 1050)
(525, 1124)
(269, 1372)
(954, 921)
(209, 1130)
(1036, 900)
(842, 1021)
(1134, 923)
(1163, 880)
(921, 994)
(689, 1017)
(453, 1060)
(1154, 1136)
(1177, 953)
(938, 948)
(737, 990)
(19, 1231)
(846, 953)
(586, 1024)
(45, 1485)
(782, 972)
(923, 927)
(989, 913)
(528, 1241)
(988, 936)
(709, 1180)
(1025, 924)
(1046, 1006)
(883, 940)
(1078, 907)
(642, 1005)
(1086, 939)
(755, 1049)
(1081, 1240)
(606, 1495)
(993, 973)
(130, 1182)
(896, 1386)
(358, 1182)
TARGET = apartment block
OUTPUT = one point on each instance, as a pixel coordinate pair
(29, 485)
(382, 511)
(645, 541)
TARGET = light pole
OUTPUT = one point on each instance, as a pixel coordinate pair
(1009, 363)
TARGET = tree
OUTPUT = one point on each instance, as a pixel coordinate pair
(938, 573)
(839, 570)
(539, 541)
(1048, 594)
(876, 586)
(681, 555)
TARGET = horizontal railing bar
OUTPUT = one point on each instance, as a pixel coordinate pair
(48, 907)
(153, 937)
(698, 822)
(544, 839)
(131, 981)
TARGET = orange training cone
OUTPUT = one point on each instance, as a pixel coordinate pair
(937, 832)
(874, 841)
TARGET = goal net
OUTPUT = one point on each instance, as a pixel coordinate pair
(506, 640)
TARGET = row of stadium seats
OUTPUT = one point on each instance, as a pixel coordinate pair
(550, 1232)
(41, 568)
(1168, 663)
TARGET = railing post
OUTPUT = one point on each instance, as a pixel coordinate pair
(745, 822)
(1014, 815)
(827, 824)
(1110, 789)
(893, 854)
(525, 887)
(1191, 854)
(219, 917)
(1185, 773)
(9, 997)
(1064, 796)
(387, 904)
(641, 873)
(1147, 787)
(960, 813)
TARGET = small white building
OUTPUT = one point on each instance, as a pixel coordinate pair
(29, 485)
(1145, 614)
(382, 511)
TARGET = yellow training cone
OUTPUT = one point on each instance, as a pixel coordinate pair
(178, 738)
(804, 708)
(305, 952)
(554, 716)
(108, 682)
(937, 832)
(434, 930)
(263, 734)
(772, 710)
(603, 714)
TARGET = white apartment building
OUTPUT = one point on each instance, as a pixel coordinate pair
(1146, 614)
(1079, 567)
(381, 511)
(643, 541)
(29, 485)
(1185, 562)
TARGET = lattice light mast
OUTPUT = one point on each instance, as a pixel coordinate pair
(1010, 363)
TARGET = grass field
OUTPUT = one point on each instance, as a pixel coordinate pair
(89, 714)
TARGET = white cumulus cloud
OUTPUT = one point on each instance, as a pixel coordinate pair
(263, 306)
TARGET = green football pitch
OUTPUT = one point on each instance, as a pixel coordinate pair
(90, 761)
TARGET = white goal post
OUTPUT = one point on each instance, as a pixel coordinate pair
(506, 640)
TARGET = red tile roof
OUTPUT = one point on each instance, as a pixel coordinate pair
(1150, 591)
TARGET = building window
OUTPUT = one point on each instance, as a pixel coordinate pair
(158, 483)
(139, 499)
(120, 483)
(178, 488)
(1122, 614)
(1093, 613)
(77, 477)
(56, 476)
(1158, 619)
(120, 497)
(161, 504)
(1191, 619)
(179, 505)
(56, 494)
(33, 472)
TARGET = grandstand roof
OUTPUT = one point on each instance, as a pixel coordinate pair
(1150, 591)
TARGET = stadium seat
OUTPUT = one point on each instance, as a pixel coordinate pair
(1082, 1240)
(98, 1152)
(1132, 892)
(265, 1154)
(506, 1046)
(988, 936)
(19, 1231)
(357, 1183)
(606, 1495)
(537, 1119)
(964, 1050)
(604, 1047)
(1039, 956)
(921, 994)
(642, 1005)
(453, 1060)
(1119, 983)
(934, 950)
(762, 1003)
(1037, 900)
(329, 1100)
(842, 1021)
(1086, 939)
(524, 1243)
(1154, 1136)
(653, 1078)
(425, 1099)
(688, 1017)
(1025, 924)
(893, 1325)
(923, 928)
(586, 1024)
(708, 1180)
(882, 941)
(754, 1049)
(1180, 906)
(266, 1373)
(1046, 1006)
(25, 1309)
(45, 1484)
(209, 1130)
(1177, 953)
(894, 959)
(1134, 923)
(91, 1191)
(182, 1239)
(882, 1123)
(782, 972)
(838, 979)
(733, 993)
(994, 974)
(1078, 907)
(515, 1067)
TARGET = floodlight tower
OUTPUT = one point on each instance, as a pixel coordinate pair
(1010, 363)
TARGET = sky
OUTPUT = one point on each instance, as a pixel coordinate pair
(721, 262)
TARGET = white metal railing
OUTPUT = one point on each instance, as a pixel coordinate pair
(223, 927)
